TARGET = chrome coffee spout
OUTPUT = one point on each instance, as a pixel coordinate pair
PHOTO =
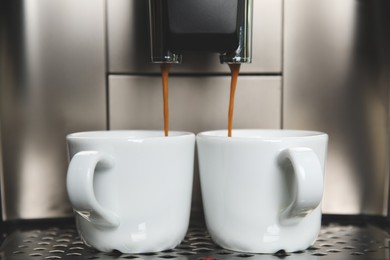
(243, 53)
(220, 26)
(159, 40)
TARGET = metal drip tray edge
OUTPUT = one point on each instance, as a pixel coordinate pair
(336, 241)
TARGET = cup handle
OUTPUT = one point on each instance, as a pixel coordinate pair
(307, 170)
(81, 193)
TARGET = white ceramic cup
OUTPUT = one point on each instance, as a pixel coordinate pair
(262, 189)
(131, 190)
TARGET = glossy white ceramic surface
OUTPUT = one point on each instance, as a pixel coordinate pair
(262, 189)
(131, 190)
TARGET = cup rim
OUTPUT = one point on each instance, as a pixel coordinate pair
(126, 134)
(260, 134)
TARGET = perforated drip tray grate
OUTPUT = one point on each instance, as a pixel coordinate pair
(334, 242)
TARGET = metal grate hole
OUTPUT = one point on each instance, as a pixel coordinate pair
(333, 251)
(224, 253)
(245, 255)
(357, 253)
(130, 257)
(168, 251)
(115, 253)
(319, 254)
(281, 253)
(168, 256)
(148, 254)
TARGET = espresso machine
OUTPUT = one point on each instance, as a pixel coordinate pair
(68, 66)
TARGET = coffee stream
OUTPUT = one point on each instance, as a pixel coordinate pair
(235, 70)
(164, 75)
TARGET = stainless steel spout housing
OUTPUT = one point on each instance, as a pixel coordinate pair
(222, 26)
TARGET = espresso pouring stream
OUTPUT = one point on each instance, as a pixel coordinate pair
(164, 75)
(234, 68)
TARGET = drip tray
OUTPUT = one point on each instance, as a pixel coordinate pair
(335, 241)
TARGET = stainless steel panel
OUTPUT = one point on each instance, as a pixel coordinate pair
(336, 80)
(128, 41)
(195, 103)
(52, 83)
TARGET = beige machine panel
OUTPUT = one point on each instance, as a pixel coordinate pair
(128, 41)
(196, 104)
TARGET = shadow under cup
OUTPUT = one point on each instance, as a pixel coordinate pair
(262, 189)
(131, 190)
